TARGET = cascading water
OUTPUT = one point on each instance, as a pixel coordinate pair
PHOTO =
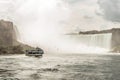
(97, 40)
(92, 43)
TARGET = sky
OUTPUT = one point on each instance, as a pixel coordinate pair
(43, 22)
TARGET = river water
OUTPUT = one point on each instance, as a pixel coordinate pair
(60, 67)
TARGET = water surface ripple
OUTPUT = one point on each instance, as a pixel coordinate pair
(60, 67)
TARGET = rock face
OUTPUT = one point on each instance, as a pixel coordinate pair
(8, 39)
(115, 38)
(7, 33)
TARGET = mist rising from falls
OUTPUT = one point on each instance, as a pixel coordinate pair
(91, 43)
(97, 40)
(42, 23)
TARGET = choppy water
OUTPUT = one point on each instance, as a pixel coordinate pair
(60, 67)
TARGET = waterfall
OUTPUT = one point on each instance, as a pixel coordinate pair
(96, 40)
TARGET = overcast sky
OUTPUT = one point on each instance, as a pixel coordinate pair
(70, 14)
(43, 18)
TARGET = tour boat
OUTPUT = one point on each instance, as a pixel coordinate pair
(36, 52)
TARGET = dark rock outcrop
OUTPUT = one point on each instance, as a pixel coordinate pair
(96, 32)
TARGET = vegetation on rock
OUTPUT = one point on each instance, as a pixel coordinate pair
(11, 50)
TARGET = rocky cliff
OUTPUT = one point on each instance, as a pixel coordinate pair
(8, 39)
(7, 33)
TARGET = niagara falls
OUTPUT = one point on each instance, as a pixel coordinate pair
(59, 40)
